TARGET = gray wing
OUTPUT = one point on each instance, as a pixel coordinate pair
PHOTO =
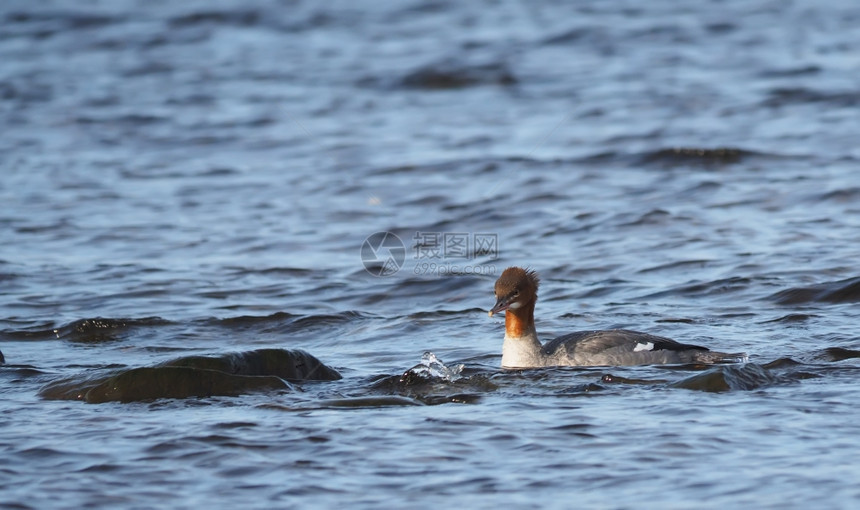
(584, 343)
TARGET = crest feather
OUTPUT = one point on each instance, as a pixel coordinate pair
(514, 278)
(532, 275)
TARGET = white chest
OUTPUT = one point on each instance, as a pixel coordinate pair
(522, 352)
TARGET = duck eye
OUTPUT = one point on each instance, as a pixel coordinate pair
(516, 294)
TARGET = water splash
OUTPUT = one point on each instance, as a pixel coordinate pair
(433, 368)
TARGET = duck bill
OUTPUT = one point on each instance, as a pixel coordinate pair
(501, 306)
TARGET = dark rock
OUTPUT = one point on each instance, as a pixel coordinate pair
(728, 378)
(152, 383)
(195, 376)
(293, 365)
(838, 354)
(457, 75)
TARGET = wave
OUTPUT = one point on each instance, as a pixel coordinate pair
(236, 17)
(102, 330)
(792, 318)
(702, 156)
(448, 74)
(841, 291)
(91, 330)
(701, 289)
(779, 97)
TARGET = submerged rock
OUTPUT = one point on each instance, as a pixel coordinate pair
(373, 401)
(432, 382)
(150, 383)
(2, 359)
(838, 354)
(293, 365)
(457, 75)
(73, 388)
(728, 378)
(694, 155)
(195, 376)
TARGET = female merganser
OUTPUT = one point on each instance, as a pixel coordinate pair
(516, 295)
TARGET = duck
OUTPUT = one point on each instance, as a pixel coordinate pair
(516, 295)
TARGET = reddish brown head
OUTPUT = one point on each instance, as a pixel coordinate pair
(516, 289)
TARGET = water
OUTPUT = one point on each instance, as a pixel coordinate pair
(197, 179)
